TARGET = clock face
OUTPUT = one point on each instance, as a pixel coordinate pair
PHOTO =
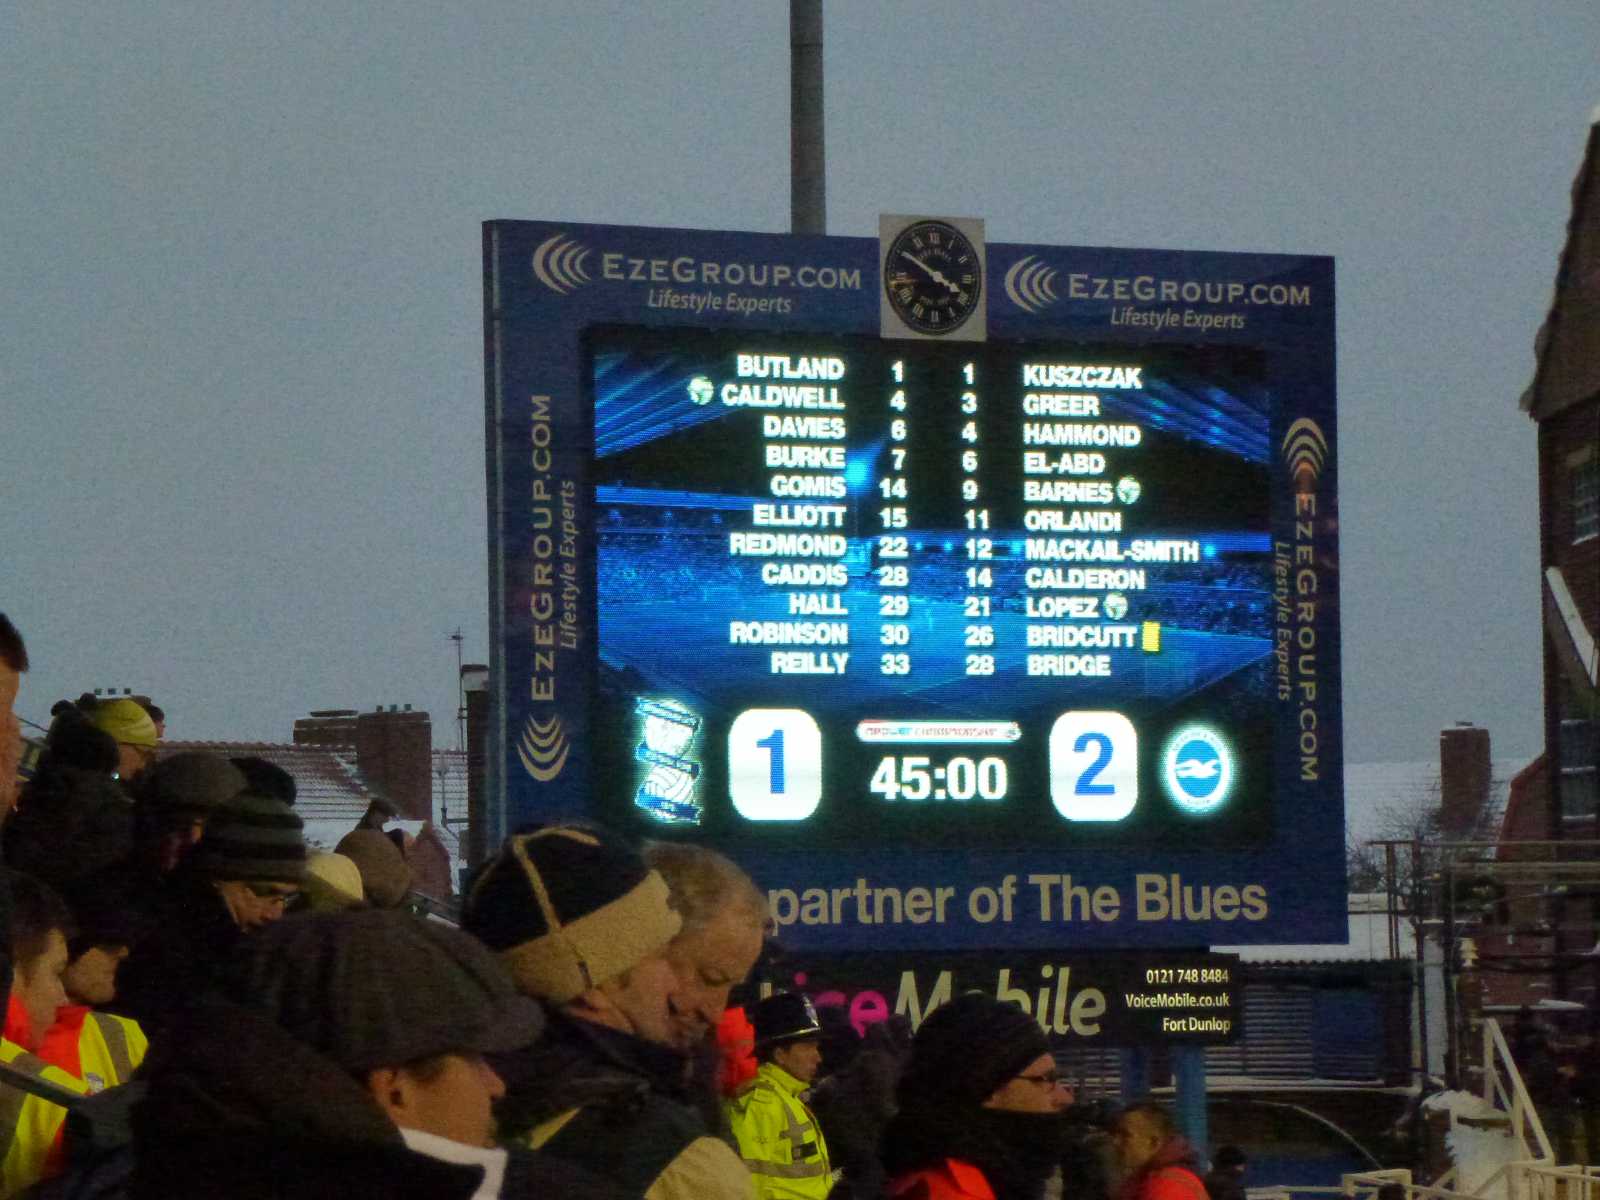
(932, 276)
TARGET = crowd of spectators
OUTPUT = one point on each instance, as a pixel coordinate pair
(199, 1005)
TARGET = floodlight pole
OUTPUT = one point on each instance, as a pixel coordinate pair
(808, 202)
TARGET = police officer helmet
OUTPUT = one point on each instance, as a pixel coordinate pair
(785, 1017)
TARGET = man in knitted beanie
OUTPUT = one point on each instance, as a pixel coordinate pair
(980, 1106)
(240, 877)
(583, 925)
(254, 855)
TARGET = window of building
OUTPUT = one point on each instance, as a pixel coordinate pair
(1586, 498)
(1580, 743)
(1578, 767)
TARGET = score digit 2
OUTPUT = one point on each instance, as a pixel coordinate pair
(1094, 766)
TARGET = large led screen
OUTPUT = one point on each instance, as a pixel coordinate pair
(861, 592)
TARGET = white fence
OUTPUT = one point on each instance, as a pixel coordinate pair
(1502, 1109)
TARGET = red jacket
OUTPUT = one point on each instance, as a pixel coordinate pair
(1169, 1175)
(736, 1041)
(19, 1025)
(950, 1180)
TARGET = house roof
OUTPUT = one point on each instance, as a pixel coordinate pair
(332, 795)
(1368, 940)
(1565, 370)
(1527, 789)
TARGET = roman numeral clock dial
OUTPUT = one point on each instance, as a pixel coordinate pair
(932, 277)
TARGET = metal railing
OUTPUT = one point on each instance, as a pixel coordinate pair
(1503, 1089)
(1533, 1175)
(1520, 1181)
(1558, 1183)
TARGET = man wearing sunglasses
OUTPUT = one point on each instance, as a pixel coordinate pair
(241, 876)
(981, 1107)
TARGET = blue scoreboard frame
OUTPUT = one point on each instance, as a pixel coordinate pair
(1024, 642)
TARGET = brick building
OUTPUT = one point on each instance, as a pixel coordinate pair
(1564, 399)
(1559, 799)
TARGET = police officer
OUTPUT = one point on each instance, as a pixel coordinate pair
(778, 1135)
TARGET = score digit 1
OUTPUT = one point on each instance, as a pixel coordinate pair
(893, 549)
(775, 764)
(977, 605)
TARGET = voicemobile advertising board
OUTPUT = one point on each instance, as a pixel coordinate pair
(968, 594)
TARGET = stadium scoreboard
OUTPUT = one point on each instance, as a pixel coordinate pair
(1059, 596)
(856, 588)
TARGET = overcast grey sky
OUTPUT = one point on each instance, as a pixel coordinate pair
(241, 426)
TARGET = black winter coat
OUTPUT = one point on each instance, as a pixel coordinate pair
(636, 1121)
(236, 1108)
(1016, 1151)
(181, 961)
(70, 823)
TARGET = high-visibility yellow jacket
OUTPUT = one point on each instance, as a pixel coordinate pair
(84, 1052)
(779, 1138)
(100, 1048)
(30, 1127)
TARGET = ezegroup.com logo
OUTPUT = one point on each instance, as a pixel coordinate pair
(563, 264)
(1305, 453)
(543, 748)
(559, 264)
(1031, 284)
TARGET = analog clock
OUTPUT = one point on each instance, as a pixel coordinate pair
(932, 276)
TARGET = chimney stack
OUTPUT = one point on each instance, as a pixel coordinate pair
(475, 692)
(332, 727)
(1463, 779)
(394, 752)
